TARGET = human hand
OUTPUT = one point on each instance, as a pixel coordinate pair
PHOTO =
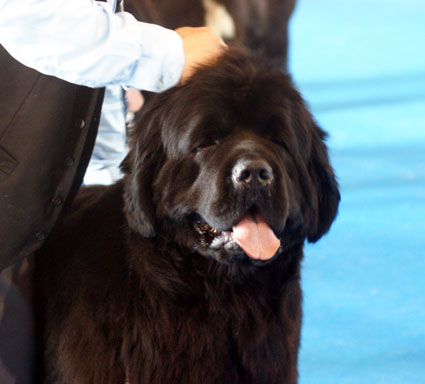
(135, 100)
(201, 46)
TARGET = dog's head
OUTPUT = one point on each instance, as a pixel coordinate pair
(231, 164)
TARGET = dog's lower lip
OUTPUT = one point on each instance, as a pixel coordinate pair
(203, 227)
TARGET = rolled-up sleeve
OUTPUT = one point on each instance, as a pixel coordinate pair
(85, 42)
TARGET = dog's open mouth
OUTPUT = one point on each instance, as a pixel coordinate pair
(252, 234)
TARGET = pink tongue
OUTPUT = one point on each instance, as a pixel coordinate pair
(255, 237)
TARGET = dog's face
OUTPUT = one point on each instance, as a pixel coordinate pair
(232, 165)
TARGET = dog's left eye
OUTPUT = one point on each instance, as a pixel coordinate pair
(280, 143)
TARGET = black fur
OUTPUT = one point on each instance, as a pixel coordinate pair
(129, 287)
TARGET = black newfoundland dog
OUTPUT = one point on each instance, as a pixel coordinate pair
(188, 270)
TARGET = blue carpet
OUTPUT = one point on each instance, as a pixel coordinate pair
(360, 65)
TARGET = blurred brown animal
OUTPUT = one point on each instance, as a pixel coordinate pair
(261, 25)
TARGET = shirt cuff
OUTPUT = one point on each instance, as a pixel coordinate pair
(162, 59)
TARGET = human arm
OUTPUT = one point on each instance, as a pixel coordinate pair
(84, 42)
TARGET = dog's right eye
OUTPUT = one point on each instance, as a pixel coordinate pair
(203, 146)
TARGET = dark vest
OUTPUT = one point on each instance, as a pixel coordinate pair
(47, 132)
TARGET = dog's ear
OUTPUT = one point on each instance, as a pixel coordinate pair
(325, 195)
(140, 166)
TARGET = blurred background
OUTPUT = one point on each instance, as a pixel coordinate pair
(360, 65)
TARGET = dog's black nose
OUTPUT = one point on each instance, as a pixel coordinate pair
(252, 173)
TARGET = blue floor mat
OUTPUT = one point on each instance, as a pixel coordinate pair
(360, 65)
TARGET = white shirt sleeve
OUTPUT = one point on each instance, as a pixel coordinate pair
(85, 42)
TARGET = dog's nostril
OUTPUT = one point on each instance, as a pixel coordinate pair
(246, 175)
(265, 174)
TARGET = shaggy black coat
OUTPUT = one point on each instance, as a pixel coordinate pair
(143, 282)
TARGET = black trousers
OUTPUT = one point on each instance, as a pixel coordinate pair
(17, 349)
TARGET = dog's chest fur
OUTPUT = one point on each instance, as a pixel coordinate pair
(161, 316)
